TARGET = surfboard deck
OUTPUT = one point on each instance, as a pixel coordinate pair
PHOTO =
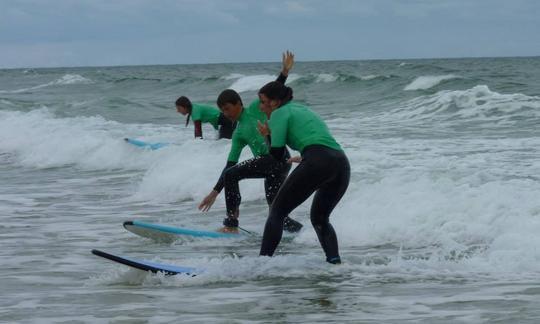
(155, 267)
(165, 233)
(145, 145)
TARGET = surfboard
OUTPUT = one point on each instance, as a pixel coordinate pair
(165, 233)
(155, 267)
(145, 145)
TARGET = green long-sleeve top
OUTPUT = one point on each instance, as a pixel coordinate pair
(247, 134)
(298, 126)
(205, 114)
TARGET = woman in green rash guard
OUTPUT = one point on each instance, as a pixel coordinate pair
(262, 165)
(323, 169)
(204, 114)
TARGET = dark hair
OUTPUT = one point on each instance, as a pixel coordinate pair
(186, 103)
(228, 96)
(277, 91)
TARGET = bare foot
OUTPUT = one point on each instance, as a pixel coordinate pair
(226, 229)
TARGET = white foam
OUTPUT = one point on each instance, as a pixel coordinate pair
(190, 171)
(369, 77)
(185, 170)
(325, 77)
(38, 139)
(72, 79)
(426, 82)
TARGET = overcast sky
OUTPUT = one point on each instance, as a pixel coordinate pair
(52, 33)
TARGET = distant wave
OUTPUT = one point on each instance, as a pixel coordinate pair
(67, 79)
(341, 77)
(72, 79)
(244, 83)
(325, 77)
(5, 102)
(371, 77)
(233, 76)
(137, 79)
(426, 82)
(476, 104)
(255, 82)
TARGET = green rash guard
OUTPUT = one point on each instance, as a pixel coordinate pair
(297, 126)
(246, 133)
(206, 114)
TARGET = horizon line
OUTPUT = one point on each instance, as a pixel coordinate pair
(265, 62)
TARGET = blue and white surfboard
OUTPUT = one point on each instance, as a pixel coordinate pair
(164, 233)
(145, 145)
(155, 267)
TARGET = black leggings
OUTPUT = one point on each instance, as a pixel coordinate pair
(274, 173)
(323, 170)
(226, 127)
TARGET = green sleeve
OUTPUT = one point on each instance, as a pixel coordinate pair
(278, 124)
(237, 145)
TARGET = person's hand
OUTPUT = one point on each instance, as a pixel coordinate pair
(288, 62)
(263, 128)
(295, 159)
(208, 201)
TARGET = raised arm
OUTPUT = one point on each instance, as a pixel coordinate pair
(287, 62)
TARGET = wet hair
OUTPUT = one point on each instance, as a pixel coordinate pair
(186, 103)
(228, 96)
(277, 91)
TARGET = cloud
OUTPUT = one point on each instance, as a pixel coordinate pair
(298, 7)
(95, 32)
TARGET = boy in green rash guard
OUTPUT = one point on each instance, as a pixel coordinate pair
(262, 165)
(205, 114)
(323, 169)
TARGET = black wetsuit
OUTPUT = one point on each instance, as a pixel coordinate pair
(324, 170)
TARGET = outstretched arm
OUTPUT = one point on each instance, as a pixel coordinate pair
(236, 148)
(209, 200)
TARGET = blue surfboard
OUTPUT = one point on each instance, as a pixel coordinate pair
(166, 233)
(145, 145)
(168, 269)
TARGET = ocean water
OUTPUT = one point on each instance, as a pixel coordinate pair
(440, 224)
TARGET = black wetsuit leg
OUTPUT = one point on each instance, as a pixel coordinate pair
(274, 173)
(226, 126)
(258, 167)
(272, 184)
(324, 170)
(273, 181)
